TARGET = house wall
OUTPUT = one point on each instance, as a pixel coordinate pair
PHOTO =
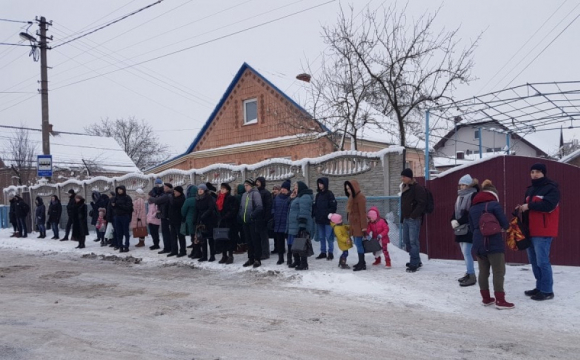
(575, 161)
(466, 141)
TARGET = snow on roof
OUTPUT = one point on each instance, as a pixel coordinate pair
(68, 150)
(440, 161)
(571, 156)
(468, 164)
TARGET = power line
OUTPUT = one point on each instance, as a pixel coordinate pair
(17, 21)
(13, 44)
(200, 44)
(108, 24)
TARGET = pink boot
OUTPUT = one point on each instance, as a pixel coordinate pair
(377, 261)
(500, 302)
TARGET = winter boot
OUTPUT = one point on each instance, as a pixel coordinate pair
(211, 249)
(230, 259)
(39, 236)
(296, 262)
(486, 298)
(362, 265)
(223, 259)
(462, 279)
(388, 263)
(531, 292)
(103, 243)
(257, 264)
(82, 243)
(289, 256)
(342, 263)
(471, 280)
(141, 243)
(154, 247)
(330, 256)
(377, 261)
(303, 263)
(250, 262)
(13, 234)
(203, 249)
(321, 256)
(63, 239)
(500, 302)
(280, 259)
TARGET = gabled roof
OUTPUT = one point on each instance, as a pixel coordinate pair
(570, 157)
(222, 101)
(496, 124)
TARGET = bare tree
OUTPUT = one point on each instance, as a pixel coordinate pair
(22, 153)
(135, 137)
(398, 67)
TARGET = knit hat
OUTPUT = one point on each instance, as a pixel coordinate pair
(168, 185)
(250, 182)
(372, 214)
(335, 218)
(226, 186)
(466, 180)
(286, 185)
(202, 187)
(407, 173)
(487, 185)
(71, 191)
(179, 189)
(139, 191)
(158, 181)
(540, 167)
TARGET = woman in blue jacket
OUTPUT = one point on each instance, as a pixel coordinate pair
(280, 207)
(300, 220)
(489, 249)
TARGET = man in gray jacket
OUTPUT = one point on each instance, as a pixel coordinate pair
(250, 210)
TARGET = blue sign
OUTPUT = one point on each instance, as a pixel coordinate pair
(44, 166)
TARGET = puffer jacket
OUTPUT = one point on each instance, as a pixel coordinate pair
(356, 209)
(206, 212)
(22, 208)
(324, 203)
(175, 205)
(54, 211)
(543, 199)
(162, 202)
(139, 213)
(413, 201)
(152, 215)
(123, 202)
(188, 210)
(251, 206)
(341, 232)
(280, 207)
(464, 219)
(40, 211)
(491, 244)
(300, 213)
(379, 227)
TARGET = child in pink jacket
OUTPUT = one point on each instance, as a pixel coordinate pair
(380, 230)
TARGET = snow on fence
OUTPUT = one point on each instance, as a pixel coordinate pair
(377, 172)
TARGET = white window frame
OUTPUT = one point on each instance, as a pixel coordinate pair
(253, 121)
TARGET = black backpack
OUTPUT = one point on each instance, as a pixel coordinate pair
(430, 206)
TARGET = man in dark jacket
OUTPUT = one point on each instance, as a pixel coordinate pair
(250, 209)
(40, 217)
(324, 204)
(413, 204)
(122, 206)
(71, 213)
(175, 219)
(21, 211)
(264, 217)
(12, 216)
(162, 202)
(541, 212)
(54, 213)
(280, 208)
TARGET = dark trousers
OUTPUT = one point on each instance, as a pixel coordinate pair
(41, 229)
(279, 241)
(54, 226)
(254, 241)
(175, 235)
(121, 226)
(166, 232)
(265, 240)
(69, 223)
(154, 232)
(22, 226)
(100, 235)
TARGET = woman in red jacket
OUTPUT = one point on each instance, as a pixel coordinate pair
(379, 229)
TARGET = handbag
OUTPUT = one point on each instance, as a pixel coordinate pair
(140, 231)
(302, 246)
(372, 245)
(461, 230)
(221, 234)
(109, 232)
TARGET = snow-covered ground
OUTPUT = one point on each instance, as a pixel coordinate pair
(431, 297)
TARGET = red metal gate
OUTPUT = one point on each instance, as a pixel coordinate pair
(510, 175)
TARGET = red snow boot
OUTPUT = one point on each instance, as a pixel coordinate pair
(487, 299)
(377, 261)
(388, 263)
(500, 302)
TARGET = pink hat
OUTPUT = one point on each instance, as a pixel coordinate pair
(335, 218)
(372, 214)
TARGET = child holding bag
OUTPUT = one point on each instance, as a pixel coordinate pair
(379, 229)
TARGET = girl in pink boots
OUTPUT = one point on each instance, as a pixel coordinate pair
(341, 233)
(378, 227)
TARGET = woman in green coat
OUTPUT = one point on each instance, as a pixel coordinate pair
(188, 213)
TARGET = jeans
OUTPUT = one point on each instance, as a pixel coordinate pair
(100, 235)
(539, 256)
(324, 233)
(54, 226)
(22, 226)
(290, 239)
(41, 228)
(359, 245)
(121, 226)
(344, 254)
(411, 228)
(466, 251)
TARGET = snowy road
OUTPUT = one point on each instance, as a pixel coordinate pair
(59, 305)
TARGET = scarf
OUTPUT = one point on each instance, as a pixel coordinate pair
(463, 202)
(220, 201)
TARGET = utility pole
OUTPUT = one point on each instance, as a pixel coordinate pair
(43, 45)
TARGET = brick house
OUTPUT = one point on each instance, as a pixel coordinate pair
(256, 121)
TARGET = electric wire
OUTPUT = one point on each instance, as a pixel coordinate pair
(17, 21)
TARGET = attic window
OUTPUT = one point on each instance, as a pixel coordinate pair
(250, 111)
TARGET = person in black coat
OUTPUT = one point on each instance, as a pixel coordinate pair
(12, 216)
(205, 222)
(21, 211)
(54, 213)
(110, 220)
(70, 210)
(40, 217)
(175, 219)
(80, 228)
(99, 201)
(122, 206)
(265, 216)
(324, 204)
(227, 206)
(162, 202)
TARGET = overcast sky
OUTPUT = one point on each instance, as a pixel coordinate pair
(176, 93)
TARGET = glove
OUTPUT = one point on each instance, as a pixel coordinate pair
(454, 224)
(302, 224)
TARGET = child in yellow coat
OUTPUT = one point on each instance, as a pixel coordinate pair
(341, 232)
